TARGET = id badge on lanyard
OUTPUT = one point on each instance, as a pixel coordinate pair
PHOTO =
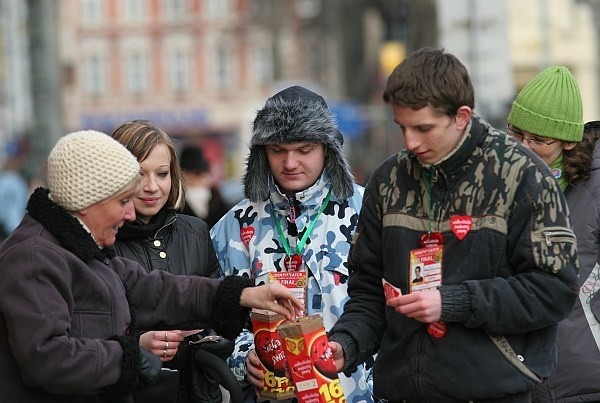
(426, 272)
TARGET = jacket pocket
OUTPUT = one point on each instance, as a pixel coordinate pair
(553, 247)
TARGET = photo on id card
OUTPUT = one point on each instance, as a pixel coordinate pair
(425, 268)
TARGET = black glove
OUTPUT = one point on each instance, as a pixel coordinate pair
(150, 366)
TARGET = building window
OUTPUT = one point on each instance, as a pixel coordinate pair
(262, 64)
(92, 11)
(222, 68)
(95, 75)
(179, 71)
(137, 73)
(133, 10)
(175, 9)
(218, 8)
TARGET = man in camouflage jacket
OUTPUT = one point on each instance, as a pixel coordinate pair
(508, 271)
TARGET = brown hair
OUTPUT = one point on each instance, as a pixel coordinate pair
(140, 137)
(577, 162)
(430, 76)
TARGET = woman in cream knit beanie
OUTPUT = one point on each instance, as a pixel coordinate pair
(68, 325)
(86, 167)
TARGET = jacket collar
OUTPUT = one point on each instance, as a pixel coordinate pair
(137, 229)
(461, 158)
(312, 197)
(67, 230)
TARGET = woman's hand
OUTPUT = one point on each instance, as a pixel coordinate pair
(161, 343)
(274, 297)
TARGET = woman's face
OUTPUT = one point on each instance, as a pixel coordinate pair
(547, 148)
(155, 186)
(105, 217)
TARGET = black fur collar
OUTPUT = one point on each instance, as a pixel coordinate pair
(65, 227)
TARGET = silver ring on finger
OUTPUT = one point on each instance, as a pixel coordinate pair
(166, 345)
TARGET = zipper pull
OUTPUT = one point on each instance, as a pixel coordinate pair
(547, 235)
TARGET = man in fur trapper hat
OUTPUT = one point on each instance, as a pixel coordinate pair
(299, 214)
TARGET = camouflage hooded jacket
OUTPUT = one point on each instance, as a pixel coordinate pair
(514, 273)
(247, 243)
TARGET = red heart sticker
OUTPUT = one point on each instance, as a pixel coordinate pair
(431, 239)
(461, 225)
(322, 357)
(293, 263)
(270, 352)
(246, 234)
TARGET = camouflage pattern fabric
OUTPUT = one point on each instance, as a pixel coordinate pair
(513, 273)
(247, 244)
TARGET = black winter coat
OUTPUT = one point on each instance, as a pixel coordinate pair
(578, 372)
(177, 243)
(65, 320)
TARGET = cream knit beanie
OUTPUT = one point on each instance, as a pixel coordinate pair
(86, 167)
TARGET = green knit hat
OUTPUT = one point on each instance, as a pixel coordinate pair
(550, 106)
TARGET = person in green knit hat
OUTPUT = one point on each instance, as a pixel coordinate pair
(547, 116)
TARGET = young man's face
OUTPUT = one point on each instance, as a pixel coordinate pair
(296, 166)
(431, 136)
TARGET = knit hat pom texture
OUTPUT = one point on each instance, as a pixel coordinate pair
(550, 106)
(86, 167)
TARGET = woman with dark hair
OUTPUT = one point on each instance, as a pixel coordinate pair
(547, 117)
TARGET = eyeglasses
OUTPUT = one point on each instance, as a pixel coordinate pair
(518, 135)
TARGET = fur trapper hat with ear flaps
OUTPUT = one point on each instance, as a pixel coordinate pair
(291, 116)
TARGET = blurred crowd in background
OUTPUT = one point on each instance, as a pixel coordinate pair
(201, 68)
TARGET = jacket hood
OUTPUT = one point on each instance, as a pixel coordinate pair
(295, 115)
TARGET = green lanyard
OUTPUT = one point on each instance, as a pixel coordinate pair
(300, 245)
(432, 173)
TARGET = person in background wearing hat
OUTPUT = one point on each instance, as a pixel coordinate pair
(547, 117)
(300, 213)
(202, 198)
(162, 239)
(69, 309)
(490, 223)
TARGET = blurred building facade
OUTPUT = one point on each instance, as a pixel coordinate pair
(201, 68)
(15, 89)
(547, 32)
